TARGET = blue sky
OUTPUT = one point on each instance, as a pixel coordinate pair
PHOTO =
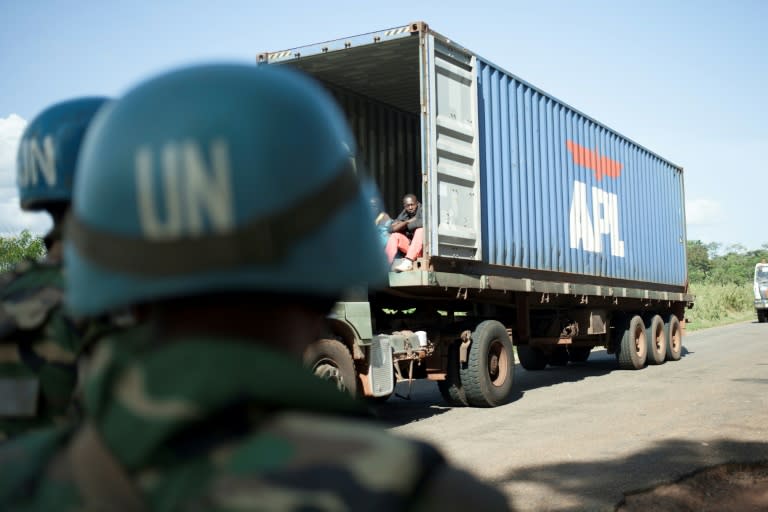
(687, 79)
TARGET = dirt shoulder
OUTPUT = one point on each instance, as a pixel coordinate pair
(724, 488)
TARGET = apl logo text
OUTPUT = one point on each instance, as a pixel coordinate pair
(588, 225)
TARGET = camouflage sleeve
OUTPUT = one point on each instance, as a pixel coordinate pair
(28, 299)
(38, 350)
(307, 462)
(448, 488)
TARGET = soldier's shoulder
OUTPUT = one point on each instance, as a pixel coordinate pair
(415, 471)
(322, 462)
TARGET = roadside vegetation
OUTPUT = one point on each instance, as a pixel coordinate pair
(720, 304)
(721, 279)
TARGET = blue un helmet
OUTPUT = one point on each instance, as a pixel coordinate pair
(218, 178)
(48, 152)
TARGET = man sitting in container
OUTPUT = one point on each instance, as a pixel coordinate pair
(406, 234)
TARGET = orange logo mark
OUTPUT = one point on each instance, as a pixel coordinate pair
(602, 165)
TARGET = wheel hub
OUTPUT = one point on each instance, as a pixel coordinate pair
(493, 366)
(639, 342)
(497, 364)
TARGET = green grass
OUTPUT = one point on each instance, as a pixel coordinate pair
(720, 304)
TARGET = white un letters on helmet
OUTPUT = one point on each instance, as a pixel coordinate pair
(38, 161)
(192, 188)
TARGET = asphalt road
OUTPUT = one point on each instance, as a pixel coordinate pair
(577, 438)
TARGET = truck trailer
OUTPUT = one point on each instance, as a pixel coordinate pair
(547, 233)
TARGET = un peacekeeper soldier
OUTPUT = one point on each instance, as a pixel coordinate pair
(39, 344)
(227, 188)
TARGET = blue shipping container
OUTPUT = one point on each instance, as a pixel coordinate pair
(511, 178)
(564, 193)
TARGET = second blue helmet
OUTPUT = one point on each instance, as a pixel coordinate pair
(49, 149)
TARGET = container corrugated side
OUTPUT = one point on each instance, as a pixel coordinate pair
(563, 193)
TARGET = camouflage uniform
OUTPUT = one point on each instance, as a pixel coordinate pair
(241, 428)
(39, 344)
(38, 349)
(41, 348)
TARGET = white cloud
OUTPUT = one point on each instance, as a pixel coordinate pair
(703, 212)
(12, 218)
(11, 128)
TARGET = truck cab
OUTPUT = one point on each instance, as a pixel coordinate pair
(760, 288)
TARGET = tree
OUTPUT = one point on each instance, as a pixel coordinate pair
(699, 264)
(14, 249)
(732, 267)
(709, 263)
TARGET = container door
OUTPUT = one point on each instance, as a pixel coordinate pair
(452, 194)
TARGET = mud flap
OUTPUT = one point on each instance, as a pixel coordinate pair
(381, 371)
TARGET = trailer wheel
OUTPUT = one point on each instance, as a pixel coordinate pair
(331, 360)
(579, 354)
(532, 358)
(633, 348)
(674, 338)
(761, 316)
(657, 340)
(451, 388)
(487, 376)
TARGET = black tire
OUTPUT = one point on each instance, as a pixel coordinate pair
(617, 325)
(579, 354)
(559, 356)
(674, 336)
(450, 388)
(487, 376)
(633, 348)
(761, 316)
(657, 340)
(532, 358)
(331, 360)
